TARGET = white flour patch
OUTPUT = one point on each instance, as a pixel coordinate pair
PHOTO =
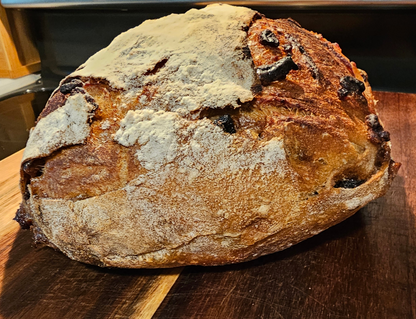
(155, 132)
(163, 137)
(67, 125)
(194, 59)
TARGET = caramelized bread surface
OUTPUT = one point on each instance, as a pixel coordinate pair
(153, 183)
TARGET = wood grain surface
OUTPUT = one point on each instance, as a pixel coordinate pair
(364, 267)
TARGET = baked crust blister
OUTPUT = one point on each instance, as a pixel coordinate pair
(207, 138)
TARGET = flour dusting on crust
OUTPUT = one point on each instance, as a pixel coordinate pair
(195, 59)
(155, 131)
(159, 138)
(68, 125)
(165, 171)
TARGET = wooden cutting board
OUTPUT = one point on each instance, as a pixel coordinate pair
(364, 267)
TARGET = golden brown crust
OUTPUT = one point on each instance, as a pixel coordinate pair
(148, 188)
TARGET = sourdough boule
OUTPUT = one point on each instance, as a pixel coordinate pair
(205, 138)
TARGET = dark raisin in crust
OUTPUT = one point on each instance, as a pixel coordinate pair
(276, 71)
(267, 37)
(68, 87)
(226, 123)
(350, 85)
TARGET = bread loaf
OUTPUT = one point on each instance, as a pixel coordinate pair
(205, 138)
